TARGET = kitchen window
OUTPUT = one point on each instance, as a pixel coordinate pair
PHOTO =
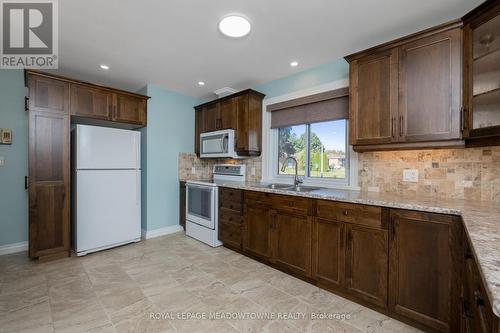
(319, 148)
(313, 129)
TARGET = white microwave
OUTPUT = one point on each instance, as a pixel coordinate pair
(218, 144)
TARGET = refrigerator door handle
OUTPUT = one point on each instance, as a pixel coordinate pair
(137, 171)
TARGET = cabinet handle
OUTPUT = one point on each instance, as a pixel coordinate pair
(26, 185)
(26, 103)
(393, 122)
(345, 212)
(400, 125)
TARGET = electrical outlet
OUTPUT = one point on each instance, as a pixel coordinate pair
(193, 170)
(410, 175)
(253, 171)
(2, 161)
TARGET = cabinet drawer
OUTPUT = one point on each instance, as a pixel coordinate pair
(230, 233)
(290, 204)
(231, 216)
(257, 197)
(352, 213)
(230, 194)
(230, 205)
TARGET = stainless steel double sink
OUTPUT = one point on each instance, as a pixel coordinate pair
(288, 187)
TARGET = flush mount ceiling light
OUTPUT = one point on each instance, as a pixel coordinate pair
(201, 83)
(294, 63)
(235, 26)
(104, 67)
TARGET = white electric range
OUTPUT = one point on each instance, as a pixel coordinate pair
(202, 202)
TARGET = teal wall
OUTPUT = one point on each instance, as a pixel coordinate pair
(170, 131)
(13, 196)
(329, 72)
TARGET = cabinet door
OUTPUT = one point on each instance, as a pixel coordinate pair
(49, 185)
(328, 253)
(198, 129)
(227, 114)
(257, 226)
(91, 102)
(249, 125)
(130, 109)
(210, 117)
(424, 272)
(367, 264)
(291, 242)
(374, 98)
(48, 95)
(430, 81)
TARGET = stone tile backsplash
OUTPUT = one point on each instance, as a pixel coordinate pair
(204, 167)
(470, 173)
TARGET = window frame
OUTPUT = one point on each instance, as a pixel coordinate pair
(270, 160)
(307, 174)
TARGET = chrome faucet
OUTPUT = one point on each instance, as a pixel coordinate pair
(296, 180)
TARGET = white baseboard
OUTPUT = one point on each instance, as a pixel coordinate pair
(13, 248)
(148, 234)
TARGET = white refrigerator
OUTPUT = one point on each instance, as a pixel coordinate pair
(107, 188)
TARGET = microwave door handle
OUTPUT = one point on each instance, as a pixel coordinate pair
(225, 144)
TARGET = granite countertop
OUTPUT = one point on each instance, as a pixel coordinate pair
(481, 220)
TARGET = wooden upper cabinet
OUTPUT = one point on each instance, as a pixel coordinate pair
(91, 102)
(198, 129)
(407, 93)
(227, 114)
(48, 95)
(367, 264)
(291, 242)
(430, 79)
(481, 84)
(373, 93)
(242, 112)
(425, 256)
(130, 109)
(210, 117)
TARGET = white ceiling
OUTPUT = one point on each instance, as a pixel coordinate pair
(176, 43)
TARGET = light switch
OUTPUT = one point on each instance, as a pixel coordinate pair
(253, 171)
(2, 161)
(193, 170)
(410, 175)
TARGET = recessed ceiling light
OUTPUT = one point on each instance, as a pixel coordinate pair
(235, 26)
(104, 67)
(201, 83)
(294, 63)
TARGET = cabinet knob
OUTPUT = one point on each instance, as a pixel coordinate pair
(345, 212)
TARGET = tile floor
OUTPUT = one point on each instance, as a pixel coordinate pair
(120, 290)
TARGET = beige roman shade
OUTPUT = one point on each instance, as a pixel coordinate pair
(326, 106)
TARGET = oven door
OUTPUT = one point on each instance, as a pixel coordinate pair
(201, 204)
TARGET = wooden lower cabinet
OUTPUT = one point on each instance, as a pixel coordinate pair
(424, 269)
(367, 263)
(409, 265)
(291, 242)
(328, 248)
(182, 204)
(477, 312)
(257, 230)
